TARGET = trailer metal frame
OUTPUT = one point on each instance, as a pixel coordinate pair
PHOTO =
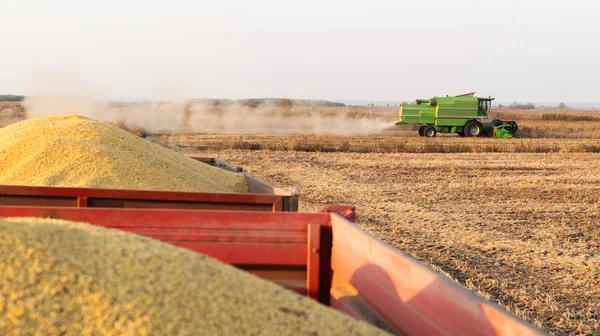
(262, 196)
(323, 255)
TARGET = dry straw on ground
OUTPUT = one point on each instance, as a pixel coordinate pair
(372, 144)
(72, 151)
(59, 277)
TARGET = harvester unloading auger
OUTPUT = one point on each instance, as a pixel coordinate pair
(462, 114)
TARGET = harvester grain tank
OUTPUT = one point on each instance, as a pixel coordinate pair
(462, 114)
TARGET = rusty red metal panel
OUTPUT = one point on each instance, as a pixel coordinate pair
(413, 298)
(222, 235)
(82, 202)
(313, 260)
(183, 205)
(270, 238)
(166, 218)
(278, 205)
(249, 253)
(270, 245)
(37, 200)
(58, 196)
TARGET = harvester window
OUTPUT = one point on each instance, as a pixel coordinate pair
(484, 106)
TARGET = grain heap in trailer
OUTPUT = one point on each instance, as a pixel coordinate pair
(82, 255)
(463, 115)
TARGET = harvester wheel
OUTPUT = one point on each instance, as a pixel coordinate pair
(473, 129)
(429, 131)
(422, 130)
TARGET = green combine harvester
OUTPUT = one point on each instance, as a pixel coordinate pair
(463, 114)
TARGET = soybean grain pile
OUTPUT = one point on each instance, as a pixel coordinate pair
(73, 151)
(60, 277)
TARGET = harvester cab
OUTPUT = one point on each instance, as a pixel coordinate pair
(485, 104)
(464, 115)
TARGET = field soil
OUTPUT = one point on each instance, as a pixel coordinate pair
(519, 229)
(11, 112)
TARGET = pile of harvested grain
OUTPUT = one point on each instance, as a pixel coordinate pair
(73, 151)
(74, 278)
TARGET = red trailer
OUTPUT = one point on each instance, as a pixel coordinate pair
(324, 255)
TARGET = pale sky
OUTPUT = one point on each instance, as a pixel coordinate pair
(525, 50)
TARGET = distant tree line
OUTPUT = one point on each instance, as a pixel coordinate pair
(12, 98)
(528, 106)
(287, 102)
(269, 102)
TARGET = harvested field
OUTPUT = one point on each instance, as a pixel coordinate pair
(372, 144)
(520, 229)
(11, 112)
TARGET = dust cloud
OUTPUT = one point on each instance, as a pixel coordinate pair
(237, 118)
(60, 93)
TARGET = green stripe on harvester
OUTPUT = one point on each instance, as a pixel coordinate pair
(461, 117)
(457, 108)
